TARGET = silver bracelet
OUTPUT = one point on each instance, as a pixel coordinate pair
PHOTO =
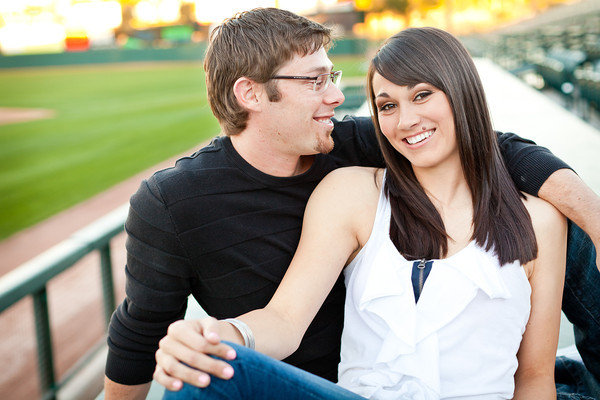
(244, 330)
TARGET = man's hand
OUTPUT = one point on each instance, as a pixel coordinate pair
(192, 342)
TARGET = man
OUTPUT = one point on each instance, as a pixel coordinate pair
(224, 223)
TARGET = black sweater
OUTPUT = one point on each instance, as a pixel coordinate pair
(215, 227)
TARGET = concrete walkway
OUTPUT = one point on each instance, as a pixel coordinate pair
(515, 107)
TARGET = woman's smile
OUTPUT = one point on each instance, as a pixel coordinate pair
(419, 137)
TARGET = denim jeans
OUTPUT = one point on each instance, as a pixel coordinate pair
(257, 376)
(581, 300)
(574, 381)
(261, 377)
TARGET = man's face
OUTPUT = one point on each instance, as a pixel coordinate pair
(300, 122)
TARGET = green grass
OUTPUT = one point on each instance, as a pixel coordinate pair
(111, 122)
(353, 66)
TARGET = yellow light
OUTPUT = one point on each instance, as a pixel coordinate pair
(154, 12)
(362, 5)
(94, 17)
(43, 37)
(382, 25)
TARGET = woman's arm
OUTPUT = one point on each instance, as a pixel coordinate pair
(534, 378)
(338, 218)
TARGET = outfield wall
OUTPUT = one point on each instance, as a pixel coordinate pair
(186, 52)
(180, 53)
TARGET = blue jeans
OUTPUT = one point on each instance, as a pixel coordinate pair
(574, 381)
(260, 377)
(581, 298)
(257, 376)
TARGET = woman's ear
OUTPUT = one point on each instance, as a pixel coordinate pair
(248, 93)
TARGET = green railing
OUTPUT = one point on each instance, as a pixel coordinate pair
(32, 278)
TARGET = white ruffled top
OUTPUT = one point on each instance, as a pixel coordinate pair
(458, 342)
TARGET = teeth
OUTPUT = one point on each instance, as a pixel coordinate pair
(419, 138)
(326, 121)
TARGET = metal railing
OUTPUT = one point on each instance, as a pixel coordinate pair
(32, 277)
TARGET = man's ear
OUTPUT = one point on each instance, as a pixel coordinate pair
(248, 93)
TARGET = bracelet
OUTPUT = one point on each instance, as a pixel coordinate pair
(244, 330)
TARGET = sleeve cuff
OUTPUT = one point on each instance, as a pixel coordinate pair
(128, 371)
(534, 169)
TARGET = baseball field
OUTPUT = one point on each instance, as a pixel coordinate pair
(67, 133)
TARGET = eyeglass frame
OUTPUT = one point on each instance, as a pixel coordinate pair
(332, 75)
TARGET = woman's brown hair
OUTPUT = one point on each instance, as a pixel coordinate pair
(500, 221)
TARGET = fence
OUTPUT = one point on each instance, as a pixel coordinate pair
(32, 278)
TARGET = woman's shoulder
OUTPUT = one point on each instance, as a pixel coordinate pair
(349, 180)
(351, 191)
(354, 173)
(348, 198)
(543, 214)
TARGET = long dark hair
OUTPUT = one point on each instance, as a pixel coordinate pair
(500, 220)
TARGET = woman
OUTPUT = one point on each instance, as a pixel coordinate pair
(453, 291)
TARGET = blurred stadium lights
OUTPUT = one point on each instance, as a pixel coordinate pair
(216, 12)
(46, 26)
(157, 12)
(35, 26)
(41, 37)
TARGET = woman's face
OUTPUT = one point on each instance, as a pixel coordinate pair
(417, 121)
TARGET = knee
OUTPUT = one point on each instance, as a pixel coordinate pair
(243, 354)
(187, 392)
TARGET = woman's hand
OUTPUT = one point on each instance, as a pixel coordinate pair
(184, 355)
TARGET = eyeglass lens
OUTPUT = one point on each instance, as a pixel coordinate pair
(322, 82)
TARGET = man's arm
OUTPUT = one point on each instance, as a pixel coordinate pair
(114, 390)
(158, 284)
(535, 170)
(577, 201)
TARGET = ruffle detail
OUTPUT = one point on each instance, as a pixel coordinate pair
(388, 385)
(409, 341)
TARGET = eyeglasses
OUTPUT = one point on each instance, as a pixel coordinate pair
(320, 82)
